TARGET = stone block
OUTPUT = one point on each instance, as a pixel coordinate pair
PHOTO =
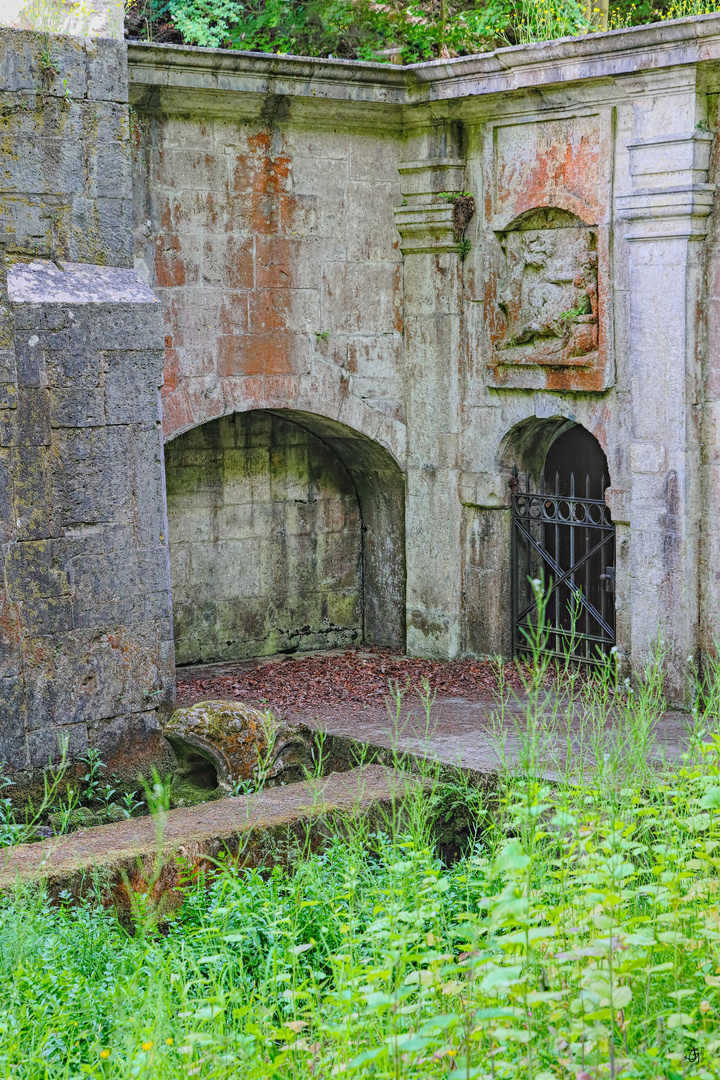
(46, 746)
(7, 520)
(647, 457)
(114, 231)
(73, 367)
(92, 479)
(107, 76)
(46, 615)
(131, 386)
(29, 423)
(133, 743)
(177, 263)
(16, 61)
(32, 572)
(369, 222)
(123, 587)
(10, 653)
(33, 509)
(374, 159)
(8, 379)
(111, 175)
(148, 488)
(37, 319)
(118, 324)
(362, 298)
(328, 184)
(77, 408)
(90, 674)
(29, 360)
(228, 262)
(12, 723)
(283, 262)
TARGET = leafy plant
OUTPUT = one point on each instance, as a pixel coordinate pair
(130, 804)
(91, 777)
(576, 935)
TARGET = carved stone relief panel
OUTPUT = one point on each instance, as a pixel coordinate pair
(546, 255)
(548, 292)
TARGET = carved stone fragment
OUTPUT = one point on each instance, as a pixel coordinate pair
(222, 745)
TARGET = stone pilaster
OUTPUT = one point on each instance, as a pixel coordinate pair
(666, 221)
(431, 236)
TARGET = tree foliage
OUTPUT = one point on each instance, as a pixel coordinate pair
(377, 29)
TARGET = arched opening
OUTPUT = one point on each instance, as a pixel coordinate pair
(564, 537)
(286, 533)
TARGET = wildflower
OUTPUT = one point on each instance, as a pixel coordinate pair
(613, 650)
(690, 659)
(147, 1045)
(536, 583)
(104, 1054)
(169, 1042)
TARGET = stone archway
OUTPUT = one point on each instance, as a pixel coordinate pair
(563, 536)
(286, 533)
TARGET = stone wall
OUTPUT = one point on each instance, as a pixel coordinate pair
(299, 222)
(86, 653)
(265, 541)
(274, 253)
(577, 292)
(66, 182)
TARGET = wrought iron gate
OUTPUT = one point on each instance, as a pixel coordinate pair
(567, 542)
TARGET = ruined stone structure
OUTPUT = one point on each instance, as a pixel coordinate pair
(380, 290)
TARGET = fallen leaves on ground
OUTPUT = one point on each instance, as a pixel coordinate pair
(357, 677)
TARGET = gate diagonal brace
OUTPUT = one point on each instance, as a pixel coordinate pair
(564, 577)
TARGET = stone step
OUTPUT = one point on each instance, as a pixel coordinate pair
(142, 856)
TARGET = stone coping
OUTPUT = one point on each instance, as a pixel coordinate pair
(605, 55)
(257, 830)
(44, 281)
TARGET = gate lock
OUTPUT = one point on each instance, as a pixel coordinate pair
(609, 578)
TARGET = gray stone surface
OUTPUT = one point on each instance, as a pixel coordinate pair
(66, 191)
(297, 221)
(266, 541)
(596, 150)
(42, 281)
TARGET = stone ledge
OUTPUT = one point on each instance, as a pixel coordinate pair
(180, 69)
(256, 830)
(44, 281)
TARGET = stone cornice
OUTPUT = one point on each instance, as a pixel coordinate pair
(670, 196)
(169, 77)
(426, 229)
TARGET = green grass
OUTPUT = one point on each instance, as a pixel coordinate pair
(579, 936)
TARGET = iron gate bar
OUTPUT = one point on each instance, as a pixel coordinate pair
(561, 580)
(555, 519)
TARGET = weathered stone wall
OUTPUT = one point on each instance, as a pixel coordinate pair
(66, 177)
(274, 253)
(579, 292)
(87, 634)
(298, 221)
(86, 654)
(265, 540)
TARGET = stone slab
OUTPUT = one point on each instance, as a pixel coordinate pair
(258, 830)
(44, 281)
